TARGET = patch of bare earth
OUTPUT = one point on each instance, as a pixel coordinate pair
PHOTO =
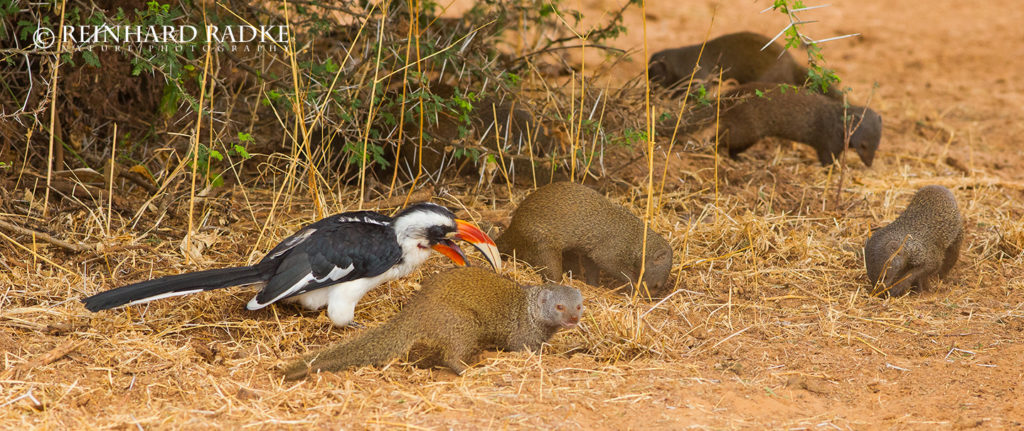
(771, 326)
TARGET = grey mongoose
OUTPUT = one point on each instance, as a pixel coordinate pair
(740, 57)
(563, 224)
(456, 314)
(923, 241)
(758, 110)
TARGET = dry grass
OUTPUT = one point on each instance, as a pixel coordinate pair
(764, 280)
(770, 324)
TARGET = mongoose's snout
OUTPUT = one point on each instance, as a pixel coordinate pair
(566, 306)
(866, 137)
(658, 272)
(572, 317)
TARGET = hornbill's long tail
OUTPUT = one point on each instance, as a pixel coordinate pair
(174, 285)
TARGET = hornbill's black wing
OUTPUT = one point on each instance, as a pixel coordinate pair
(366, 217)
(334, 250)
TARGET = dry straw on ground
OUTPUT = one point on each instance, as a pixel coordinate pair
(770, 324)
(765, 278)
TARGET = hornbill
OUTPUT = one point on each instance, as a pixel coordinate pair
(331, 262)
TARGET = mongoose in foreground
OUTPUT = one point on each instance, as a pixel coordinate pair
(563, 223)
(922, 241)
(788, 113)
(740, 57)
(457, 314)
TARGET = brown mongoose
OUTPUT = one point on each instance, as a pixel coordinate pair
(740, 57)
(759, 110)
(456, 314)
(564, 222)
(925, 239)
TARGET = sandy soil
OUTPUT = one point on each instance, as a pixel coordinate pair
(771, 327)
(942, 69)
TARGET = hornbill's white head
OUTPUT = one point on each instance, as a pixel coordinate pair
(428, 225)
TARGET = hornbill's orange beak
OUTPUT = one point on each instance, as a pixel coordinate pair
(448, 248)
(473, 235)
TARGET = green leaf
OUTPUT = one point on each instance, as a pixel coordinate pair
(330, 66)
(27, 28)
(512, 79)
(241, 151)
(169, 100)
(91, 58)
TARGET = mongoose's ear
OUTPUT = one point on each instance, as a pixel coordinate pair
(655, 68)
(854, 121)
(897, 261)
(657, 72)
(544, 297)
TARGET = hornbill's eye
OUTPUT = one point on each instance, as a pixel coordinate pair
(437, 233)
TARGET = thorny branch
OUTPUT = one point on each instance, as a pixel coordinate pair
(795, 21)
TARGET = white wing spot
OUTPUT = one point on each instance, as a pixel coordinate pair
(336, 273)
(256, 305)
(357, 219)
(290, 243)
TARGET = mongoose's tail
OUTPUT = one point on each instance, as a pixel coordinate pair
(173, 285)
(376, 346)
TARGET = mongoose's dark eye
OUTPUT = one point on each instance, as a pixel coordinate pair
(560, 307)
(578, 307)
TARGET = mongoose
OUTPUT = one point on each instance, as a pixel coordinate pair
(740, 57)
(564, 222)
(789, 113)
(922, 241)
(456, 314)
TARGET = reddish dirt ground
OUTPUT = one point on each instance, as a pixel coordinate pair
(771, 328)
(946, 86)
